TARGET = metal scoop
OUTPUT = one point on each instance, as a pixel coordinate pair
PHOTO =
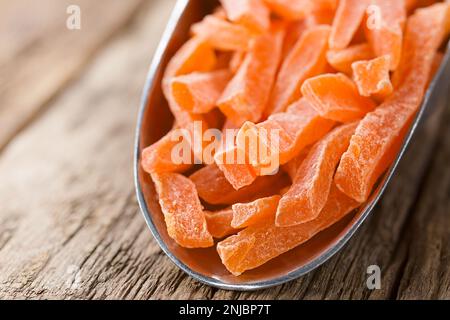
(204, 264)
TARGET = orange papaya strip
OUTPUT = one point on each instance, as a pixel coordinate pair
(234, 164)
(336, 97)
(198, 92)
(214, 188)
(222, 35)
(259, 211)
(342, 60)
(371, 148)
(183, 212)
(236, 61)
(294, 31)
(385, 31)
(305, 60)
(372, 77)
(410, 5)
(291, 168)
(195, 55)
(296, 128)
(158, 157)
(311, 187)
(437, 62)
(256, 245)
(251, 13)
(219, 223)
(291, 9)
(246, 95)
(349, 15)
(223, 60)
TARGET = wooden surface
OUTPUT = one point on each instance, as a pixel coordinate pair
(70, 226)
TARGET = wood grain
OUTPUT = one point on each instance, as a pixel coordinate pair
(42, 55)
(70, 226)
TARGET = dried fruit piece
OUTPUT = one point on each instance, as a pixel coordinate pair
(321, 16)
(219, 223)
(410, 5)
(372, 77)
(214, 188)
(235, 166)
(198, 92)
(305, 60)
(251, 13)
(183, 212)
(247, 94)
(292, 166)
(291, 9)
(311, 187)
(385, 29)
(254, 246)
(259, 211)
(159, 158)
(195, 55)
(223, 60)
(336, 97)
(349, 15)
(373, 147)
(294, 31)
(437, 62)
(223, 35)
(298, 127)
(342, 60)
(236, 61)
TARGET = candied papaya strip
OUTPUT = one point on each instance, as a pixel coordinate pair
(236, 60)
(247, 94)
(298, 127)
(349, 15)
(250, 13)
(195, 55)
(235, 166)
(291, 9)
(311, 187)
(183, 212)
(305, 60)
(294, 31)
(371, 149)
(219, 223)
(223, 35)
(372, 77)
(214, 188)
(342, 59)
(256, 245)
(292, 166)
(336, 97)
(223, 60)
(159, 156)
(410, 5)
(199, 92)
(385, 30)
(259, 211)
(437, 62)
(323, 16)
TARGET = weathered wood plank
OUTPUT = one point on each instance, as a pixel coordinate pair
(42, 55)
(80, 150)
(426, 272)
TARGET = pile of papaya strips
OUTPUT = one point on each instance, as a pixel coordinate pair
(339, 81)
